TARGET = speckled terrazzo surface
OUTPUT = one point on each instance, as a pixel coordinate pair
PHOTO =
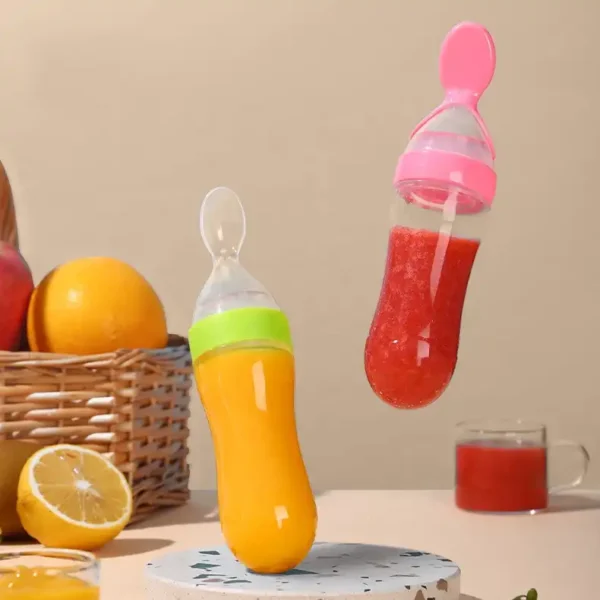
(341, 570)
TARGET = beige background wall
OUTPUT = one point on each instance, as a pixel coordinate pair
(117, 116)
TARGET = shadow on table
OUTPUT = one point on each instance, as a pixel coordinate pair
(573, 503)
(202, 508)
(467, 597)
(129, 547)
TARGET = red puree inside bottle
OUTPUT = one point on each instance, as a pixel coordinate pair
(412, 347)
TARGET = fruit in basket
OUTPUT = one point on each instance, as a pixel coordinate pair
(95, 305)
(72, 497)
(13, 455)
(16, 285)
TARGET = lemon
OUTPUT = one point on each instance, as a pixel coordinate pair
(13, 456)
(71, 497)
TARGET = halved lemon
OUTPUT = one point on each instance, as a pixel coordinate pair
(71, 497)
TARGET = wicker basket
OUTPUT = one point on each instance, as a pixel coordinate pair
(130, 405)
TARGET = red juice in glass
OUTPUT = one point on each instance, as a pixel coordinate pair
(501, 476)
(502, 466)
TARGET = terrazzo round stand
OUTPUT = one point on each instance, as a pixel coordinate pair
(346, 571)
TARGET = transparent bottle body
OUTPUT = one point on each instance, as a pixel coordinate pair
(266, 505)
(412, 346)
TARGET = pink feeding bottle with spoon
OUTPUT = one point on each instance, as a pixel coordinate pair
(445, 182)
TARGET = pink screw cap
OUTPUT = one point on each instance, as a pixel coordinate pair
(452, 147)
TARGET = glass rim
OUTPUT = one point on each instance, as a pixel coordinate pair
(80, 561)
(501, 426)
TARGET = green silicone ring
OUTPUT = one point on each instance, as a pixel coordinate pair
(238, 325)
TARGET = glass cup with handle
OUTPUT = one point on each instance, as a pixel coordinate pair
(49, 574)
(502, 466)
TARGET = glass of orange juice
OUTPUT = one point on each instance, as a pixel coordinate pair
(48, 574)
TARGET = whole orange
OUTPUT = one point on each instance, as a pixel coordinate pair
(95, 305)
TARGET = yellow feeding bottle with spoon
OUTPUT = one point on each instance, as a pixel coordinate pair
(244, 368)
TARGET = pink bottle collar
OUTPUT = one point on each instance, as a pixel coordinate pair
(466, 66)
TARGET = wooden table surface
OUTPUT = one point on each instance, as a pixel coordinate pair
(558, 552)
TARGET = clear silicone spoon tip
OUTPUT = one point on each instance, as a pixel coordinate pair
(222, 223)
(229, 286)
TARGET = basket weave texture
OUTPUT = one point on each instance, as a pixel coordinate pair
(130, 405)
